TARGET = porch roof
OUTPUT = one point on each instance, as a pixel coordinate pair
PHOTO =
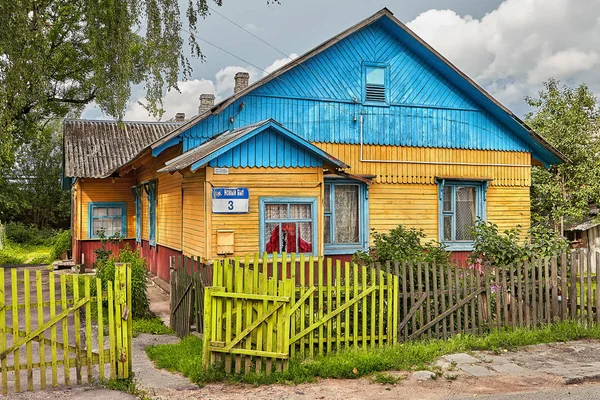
(227, 140)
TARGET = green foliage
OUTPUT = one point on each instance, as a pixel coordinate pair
(59, 55)
(18, 232)
(105, 270)
(34, 195)
(186, 356)
(151, 325)
(492, 248)
(61, 244)
(402, 244)
(569, 119)
(127, 385)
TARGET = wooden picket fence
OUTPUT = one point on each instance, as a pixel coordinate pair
(52, 326)
(258, 311)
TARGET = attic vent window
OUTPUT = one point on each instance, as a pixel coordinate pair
(376, 84)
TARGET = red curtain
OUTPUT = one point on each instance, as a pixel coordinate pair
(289, 239)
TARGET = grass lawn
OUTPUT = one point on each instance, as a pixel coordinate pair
(153, 326)
(17, 253)
(186, 356)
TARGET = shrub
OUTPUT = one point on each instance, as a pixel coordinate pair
(62, 243)
(402, 244)
(139, 275)
(492, 248)
(18, 232)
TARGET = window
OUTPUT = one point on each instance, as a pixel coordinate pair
(461, 203)
(110, 219)
(150, 189)
(376, 80)
(344, 220)
(288, 224)
(137, 198)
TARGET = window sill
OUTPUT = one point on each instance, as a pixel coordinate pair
(459, 246)
(375, 104)
(343, 249)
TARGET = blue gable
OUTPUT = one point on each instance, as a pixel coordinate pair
(431, 104)
(267, 149)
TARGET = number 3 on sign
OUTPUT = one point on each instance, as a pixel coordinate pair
(230, 205)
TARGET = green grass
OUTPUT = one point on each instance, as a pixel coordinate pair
(124, 385)
(186, 356)
(153, 326)
(17, 253)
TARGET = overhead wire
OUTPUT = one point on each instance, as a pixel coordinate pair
(262, 69)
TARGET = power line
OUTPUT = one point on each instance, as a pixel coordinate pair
(250, 33)
(257, 67)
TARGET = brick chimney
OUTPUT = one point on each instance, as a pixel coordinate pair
(180, 117)
(207, 101)
(241, 81)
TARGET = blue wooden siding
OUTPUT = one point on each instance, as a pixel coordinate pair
(316, 100)
(327, 121)
(267, 149)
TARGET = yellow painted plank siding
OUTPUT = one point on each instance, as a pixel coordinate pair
(416, 205)
(194, 222)
(509, 207)
(105, 190)
(169, 201)
(388, 172)
(262, 182)
(169, 211)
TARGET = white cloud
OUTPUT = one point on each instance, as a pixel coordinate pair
(188, 100)
(185, 101)
(279, 63)
(514, 48)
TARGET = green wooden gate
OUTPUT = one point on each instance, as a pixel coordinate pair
(259, 312)
(52, 326)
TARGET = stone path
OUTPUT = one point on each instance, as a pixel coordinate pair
(574, 362)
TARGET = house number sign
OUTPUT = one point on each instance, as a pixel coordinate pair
(230, 200)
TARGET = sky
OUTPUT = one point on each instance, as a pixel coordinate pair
(509, 47)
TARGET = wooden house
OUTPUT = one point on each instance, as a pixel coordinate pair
(371, 129)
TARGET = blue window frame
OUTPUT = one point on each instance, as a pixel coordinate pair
(288, 224)
(461, 203)
(376, 84)
(109, 218)
(137, 198)
(345, 217)
(150, 189)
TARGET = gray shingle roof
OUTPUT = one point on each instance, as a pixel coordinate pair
(96, 148)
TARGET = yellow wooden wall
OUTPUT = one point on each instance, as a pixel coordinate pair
(104, 190)
(426, 173)
(261, 182)
(416, 205)
(169, 205)
(194, 222)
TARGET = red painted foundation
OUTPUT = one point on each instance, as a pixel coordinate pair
(156, 257)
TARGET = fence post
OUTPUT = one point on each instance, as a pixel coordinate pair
(123, 318)
(207, 328)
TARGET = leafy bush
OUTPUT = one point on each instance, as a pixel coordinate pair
(62, 243)
(139, 275)
(402, 244)
(18, 232)
(492, 248)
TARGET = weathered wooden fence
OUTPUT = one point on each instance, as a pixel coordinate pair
(188, 279)
(259, 311)
(56, 324)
